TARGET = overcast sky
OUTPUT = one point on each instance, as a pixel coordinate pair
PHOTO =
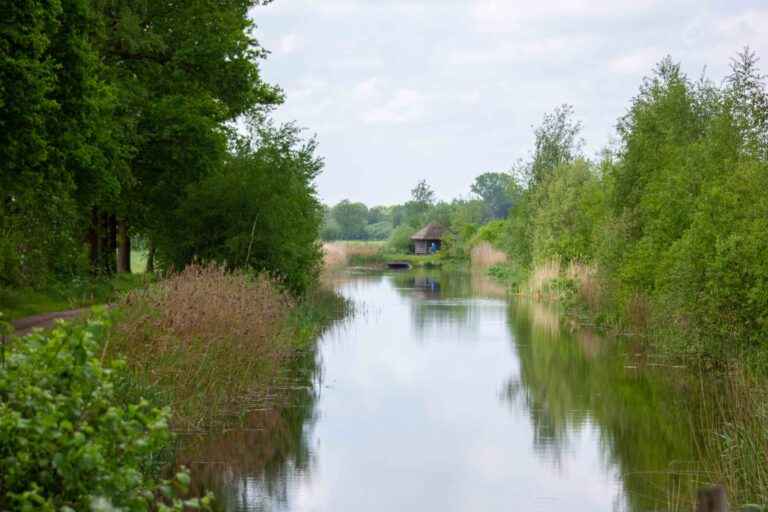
(444, 90)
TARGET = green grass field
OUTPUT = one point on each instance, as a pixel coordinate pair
(138, 261)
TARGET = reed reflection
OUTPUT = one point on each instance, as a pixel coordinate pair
(252, 465)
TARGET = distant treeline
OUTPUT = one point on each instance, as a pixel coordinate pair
(493, 194)
(118, 119)
(672, 217)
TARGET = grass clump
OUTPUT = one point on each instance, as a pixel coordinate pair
(211, 343)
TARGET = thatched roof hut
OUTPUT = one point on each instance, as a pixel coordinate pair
(428, 238)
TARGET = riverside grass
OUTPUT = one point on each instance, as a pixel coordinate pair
(212, 344)
(737, 421)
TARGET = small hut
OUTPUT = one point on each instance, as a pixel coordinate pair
(432, 233)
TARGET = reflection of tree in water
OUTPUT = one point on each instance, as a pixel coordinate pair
(251, 466)
(642, 411)
(445, 299)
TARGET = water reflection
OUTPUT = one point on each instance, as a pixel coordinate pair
(251, 466)
(447, 395)
(447, 304)
(571, 380)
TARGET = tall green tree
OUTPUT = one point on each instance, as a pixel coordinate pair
(58, 156)
(183, 73)
(351, 219)
(422, 199)
(496, 190)
(557, 142)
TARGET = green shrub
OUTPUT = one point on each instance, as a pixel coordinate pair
(64, 442)
(400, 239)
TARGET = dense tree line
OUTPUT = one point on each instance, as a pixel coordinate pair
(674, 218)
(114, 114)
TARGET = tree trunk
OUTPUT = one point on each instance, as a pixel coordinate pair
(111, 244)
(123, 248)
(150, 258)
(101, 242)
(93, 241)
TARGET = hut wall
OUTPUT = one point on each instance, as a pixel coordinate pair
(421, 247)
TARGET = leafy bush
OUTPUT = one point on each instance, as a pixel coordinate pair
(64, 442)
(400, 239)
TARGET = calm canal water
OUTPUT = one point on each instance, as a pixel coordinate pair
(444, 394)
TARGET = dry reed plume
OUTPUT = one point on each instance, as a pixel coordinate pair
(208, 341)
(337, 254)
(541, 276)
(585, 279)
(484, 255)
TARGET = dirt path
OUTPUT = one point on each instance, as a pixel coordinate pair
(24, 325)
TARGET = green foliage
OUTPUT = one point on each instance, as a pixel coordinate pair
(53, 104)
(570, 205)
(351, 220)
(65, 444)
(259, 211)
(354, 221)
(497, 191)
(112, 112)
(718, 271)
(400, 239)
(514, 276)
(494, 233)
(557, 143)
(379, 230)
(673, 219)
(422, 200)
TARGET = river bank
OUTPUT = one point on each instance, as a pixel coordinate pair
(732, 418)
(195, 351)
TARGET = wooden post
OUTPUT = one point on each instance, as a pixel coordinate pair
(711, 499)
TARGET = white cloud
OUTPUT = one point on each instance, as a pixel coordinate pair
(639, 62)
(366, 89)
(290, 43)
(508, 51)
(308, 89)
(505, 15)
(405, 106)
(346, 63)
(752, 22)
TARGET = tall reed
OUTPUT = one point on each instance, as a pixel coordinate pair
(484, 256)
(208, 342)
(736, 447)
(541, 279)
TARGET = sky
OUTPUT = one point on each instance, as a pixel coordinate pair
(444, 90)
